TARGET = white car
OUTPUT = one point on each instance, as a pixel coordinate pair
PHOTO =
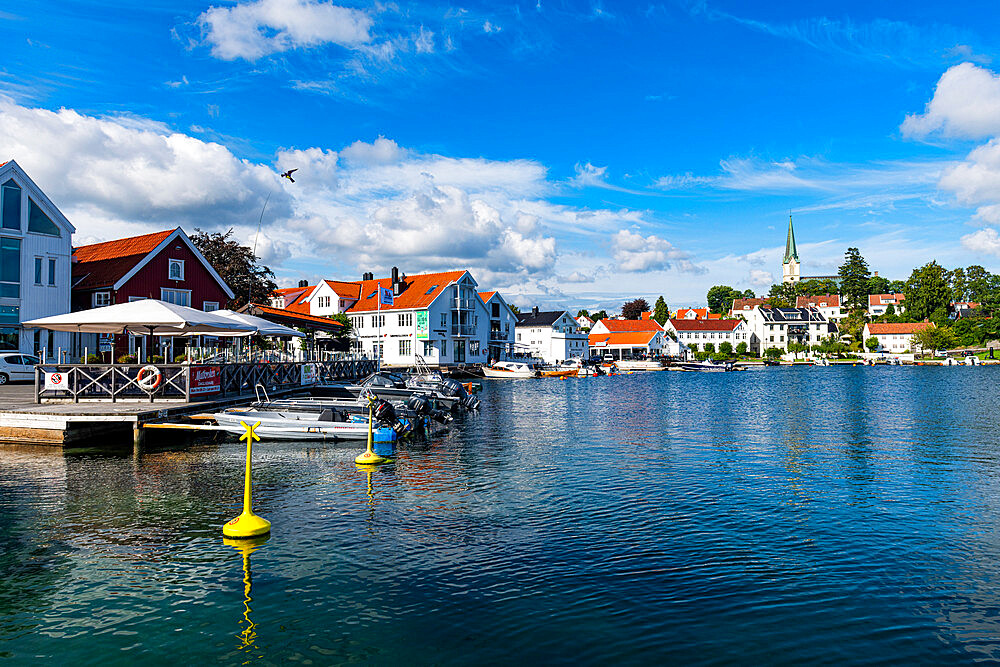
(14, 366)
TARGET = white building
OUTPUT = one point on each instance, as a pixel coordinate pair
(551, 335)
(633, 344)
(893, 338)
(35, 254)
(584, 322)
(828, 305)
(439, 317)
(503, 322)
(878, 304)
(777, 327)
(694, 334)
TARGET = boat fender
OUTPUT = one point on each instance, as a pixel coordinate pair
(149, 378)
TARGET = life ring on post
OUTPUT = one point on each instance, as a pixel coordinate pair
(149, 378)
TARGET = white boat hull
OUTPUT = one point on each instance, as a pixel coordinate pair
(497, 373)
(639, 365)
(291, 426)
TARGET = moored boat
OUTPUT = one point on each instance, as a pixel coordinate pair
(510, 369)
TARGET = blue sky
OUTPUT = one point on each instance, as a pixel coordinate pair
(571, 154)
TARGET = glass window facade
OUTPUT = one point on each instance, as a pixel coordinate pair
(40, 223)
(9, 338)
(10, 268)
(10, 315)
(11, 195)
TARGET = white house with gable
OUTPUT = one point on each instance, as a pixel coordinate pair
(36, 249)
(551, 335)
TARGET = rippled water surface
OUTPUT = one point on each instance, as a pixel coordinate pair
(787, 515)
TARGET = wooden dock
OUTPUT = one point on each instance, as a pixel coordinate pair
(23, 421)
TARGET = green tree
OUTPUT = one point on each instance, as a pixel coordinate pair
(720, 298)
(582, 313)
(798, 348)
(633, 310)
(238, 267)
(599, 315)
(661, 313)
(782, 295)
(872, 344)
(741, 348)
(514, 309)
(854, 277)
(709, 347)
(816, 287)
(933, 338)
(878, 285)
(773, 352)
(345, 332)
(726, 348)
(926, 292)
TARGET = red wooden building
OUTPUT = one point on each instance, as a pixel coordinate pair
(165, 266)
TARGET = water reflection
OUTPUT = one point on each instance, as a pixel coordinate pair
(248, 629)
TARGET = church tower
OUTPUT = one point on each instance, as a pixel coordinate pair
(790, 266)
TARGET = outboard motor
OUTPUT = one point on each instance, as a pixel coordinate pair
(384, 413)
(471, 402)
(419, 404)
(440, 416)
(451, 387)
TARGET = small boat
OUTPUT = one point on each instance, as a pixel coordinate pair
(557, 372)
(708, 366)
(295, 425)
(639, 365)
(509, 369)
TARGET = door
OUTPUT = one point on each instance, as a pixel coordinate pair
(460, 351)
(27, 367)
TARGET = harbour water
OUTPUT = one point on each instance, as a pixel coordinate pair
(786, 515)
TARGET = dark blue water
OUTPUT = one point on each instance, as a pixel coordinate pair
(787, 515)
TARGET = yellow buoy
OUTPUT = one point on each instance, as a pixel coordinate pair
(248, 524)
(369, 457)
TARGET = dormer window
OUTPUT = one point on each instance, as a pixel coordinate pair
(101, 299)
(176, 269)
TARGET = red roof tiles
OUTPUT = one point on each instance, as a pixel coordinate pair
(748, 304)
(881, 329)
(418, 291)
(623, 338)
(824, 301)
(885, 299)
(102, 264)
(705, 325)
(616, 326)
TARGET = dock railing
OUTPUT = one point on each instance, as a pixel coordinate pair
(185, 382)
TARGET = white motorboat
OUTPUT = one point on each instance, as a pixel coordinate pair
(639, 365)
(295, 425)
(510, 369)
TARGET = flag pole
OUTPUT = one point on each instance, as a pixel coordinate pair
(378, 318)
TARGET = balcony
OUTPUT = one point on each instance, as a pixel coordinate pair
(463, 330)
(462, 304)
(498, 335)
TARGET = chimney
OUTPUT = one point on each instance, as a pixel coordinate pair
(367, 276)
(534, 311)
(396, 284)
(303, 283)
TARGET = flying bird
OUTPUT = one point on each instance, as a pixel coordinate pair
(288, 175)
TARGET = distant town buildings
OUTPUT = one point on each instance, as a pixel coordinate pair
(552, 336)
(894, 338)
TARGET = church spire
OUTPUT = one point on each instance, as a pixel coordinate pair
(791, 252)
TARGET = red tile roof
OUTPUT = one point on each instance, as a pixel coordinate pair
(348, 290)
(881, 329)
(623, 338)
(880, 299)
(102, 264)
(486, 296)
(748, 304)
(306, 319)
(831, 301)
(699, 313)
(705, 325)
(616, 326)
(418, 291)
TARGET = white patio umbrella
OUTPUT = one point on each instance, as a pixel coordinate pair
(263, 327)
(148, 316)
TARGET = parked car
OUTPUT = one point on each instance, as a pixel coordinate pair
(14, 366)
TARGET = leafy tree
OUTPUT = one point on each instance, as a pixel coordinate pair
(343, 333)
(514, 309)
(782, 295)
(927, 291)
(661, 313)
(878, 285)
(633, 310)
(872, 343)
(854, 277)
(816, 287)
(583, 313)
(748, 294)
(599, 315)
(798, 348)
(709, 347)
(933, 338)
(773, 352)
(720, 298)
(238, 267)
(741, 348)
(726, 348)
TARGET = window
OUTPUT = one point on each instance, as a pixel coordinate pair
(444, 348)
(378, 320)
(9, 338)
(10, 314)
(175, 270)
(474, 347)
(10, 268)
(11, 206)
(178, 297)
(495, 309)
(209, 306)
(405, 347)
(428, 348)
(52, 271)
(101, 299)
(433, 287)
(405, 319)
(444, 319)
(40, 223)
(38, 270)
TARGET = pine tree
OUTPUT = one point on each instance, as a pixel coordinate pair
(661, 313)
(854, 279)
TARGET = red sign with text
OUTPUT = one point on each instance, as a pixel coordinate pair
(205, 379)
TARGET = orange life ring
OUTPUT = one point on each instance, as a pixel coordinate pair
(149, 378)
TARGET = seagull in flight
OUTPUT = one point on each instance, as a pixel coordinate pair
(288, 175)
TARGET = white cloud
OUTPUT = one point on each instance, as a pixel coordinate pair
(976, 181)
(635, 252)
(760, 278)
(251, 30)
(966, 103)
(985, 241)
